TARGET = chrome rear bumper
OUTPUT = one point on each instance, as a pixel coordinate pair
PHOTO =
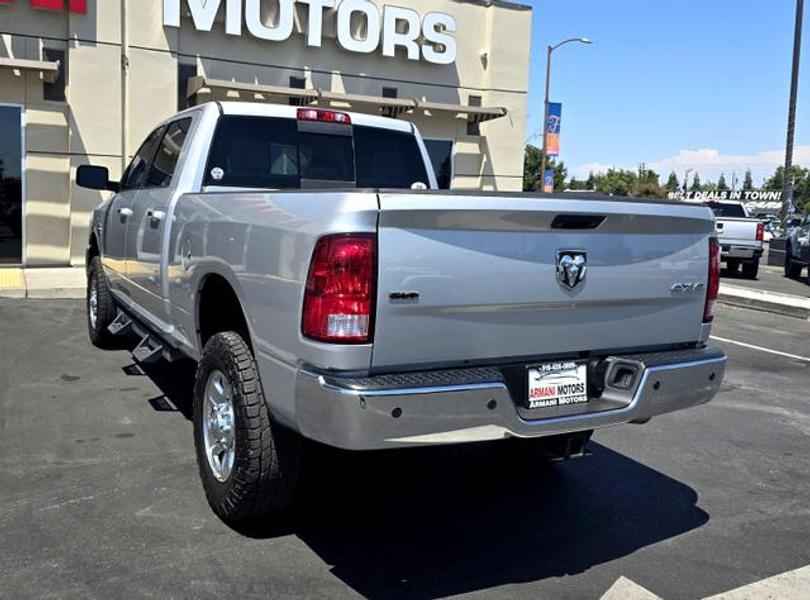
(469, 405)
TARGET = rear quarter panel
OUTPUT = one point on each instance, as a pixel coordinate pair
(261, 242)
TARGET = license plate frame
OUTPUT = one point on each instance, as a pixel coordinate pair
(556, 383)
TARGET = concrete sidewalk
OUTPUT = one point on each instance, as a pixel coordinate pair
(43, 282)
(771, 291)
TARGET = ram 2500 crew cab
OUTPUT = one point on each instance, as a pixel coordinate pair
(325, 294)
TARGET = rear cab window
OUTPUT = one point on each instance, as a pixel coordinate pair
(285, 153)
(727, 209)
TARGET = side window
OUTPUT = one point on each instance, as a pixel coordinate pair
(387, 159)
(135, 174)
(165, 162)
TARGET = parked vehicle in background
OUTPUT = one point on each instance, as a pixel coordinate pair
(739, 235)
(325, 294)
(797, 249)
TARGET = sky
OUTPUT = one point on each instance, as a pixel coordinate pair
(699, 84)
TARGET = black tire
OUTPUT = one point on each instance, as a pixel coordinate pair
(732, 266)
(793, 270)
(750, 270)
(105, 309)
(264, 476)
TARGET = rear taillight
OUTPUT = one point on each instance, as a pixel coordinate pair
(326, 116)
(339, 296)
(760, 232)
(713, 287)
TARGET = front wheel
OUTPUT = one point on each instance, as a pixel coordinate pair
(100, 305)
(248, 464)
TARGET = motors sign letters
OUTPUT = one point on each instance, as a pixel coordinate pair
(423, 38)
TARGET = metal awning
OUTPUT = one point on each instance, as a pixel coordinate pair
(48, 70)
(195, 84)
(390, 107)
(474, 114)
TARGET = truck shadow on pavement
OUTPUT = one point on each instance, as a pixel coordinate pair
(433, 522)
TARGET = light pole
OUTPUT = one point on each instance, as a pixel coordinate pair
(686, 180)
(787, 187)
(545, 105)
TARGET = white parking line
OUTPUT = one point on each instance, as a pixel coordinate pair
(761, 349)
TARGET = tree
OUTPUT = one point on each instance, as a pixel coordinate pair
(695, 183)
(616, 182)
(590, 183)
(560, 174)
(647, 185)
(748, 182)
(722, 186)
(673, 185)
(532, 178)
(801, 185)
(532, 158)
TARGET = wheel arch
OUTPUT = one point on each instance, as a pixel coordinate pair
(219, 308)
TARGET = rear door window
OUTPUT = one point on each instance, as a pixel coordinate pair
(258, 152)
(387, 159)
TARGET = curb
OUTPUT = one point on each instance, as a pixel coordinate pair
(43, 283)
(783, 304)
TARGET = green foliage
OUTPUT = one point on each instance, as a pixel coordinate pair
(616, 182)
(532, 159)
(672, 185)
(722, 186)
(532, 163)
(748, 182)
(695, 187)
(801, 185)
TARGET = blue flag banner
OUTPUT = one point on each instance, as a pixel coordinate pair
(553, 128)
(548, 181)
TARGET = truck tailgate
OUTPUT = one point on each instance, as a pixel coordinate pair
(473, 277)
(737, 231)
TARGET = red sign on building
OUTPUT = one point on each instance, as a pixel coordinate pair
(74, 6)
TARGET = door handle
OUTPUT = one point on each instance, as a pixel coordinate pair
(125, 212)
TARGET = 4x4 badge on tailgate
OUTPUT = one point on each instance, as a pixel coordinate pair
(572, 265)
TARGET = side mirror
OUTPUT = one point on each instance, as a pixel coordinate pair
(95, 178)
(795, 223)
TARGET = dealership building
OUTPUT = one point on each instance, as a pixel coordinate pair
(84, 81)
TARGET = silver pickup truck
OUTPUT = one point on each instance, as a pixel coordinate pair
(740, 237)
(328, 292)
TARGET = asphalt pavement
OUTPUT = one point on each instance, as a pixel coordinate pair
(99, 494)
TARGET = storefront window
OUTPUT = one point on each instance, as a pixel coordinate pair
(11, 223)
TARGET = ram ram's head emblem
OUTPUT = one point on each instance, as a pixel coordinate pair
(572, 266)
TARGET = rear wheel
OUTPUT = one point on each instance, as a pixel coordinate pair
(248, 464)
(100, 305)
(750, 270)
(732, 266)
(792, 269)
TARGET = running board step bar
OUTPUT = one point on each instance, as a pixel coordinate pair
(147, 351)
(150, 348)
(122, 324)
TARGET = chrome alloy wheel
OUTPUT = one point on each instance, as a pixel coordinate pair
(93, 301)
(218, 425)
